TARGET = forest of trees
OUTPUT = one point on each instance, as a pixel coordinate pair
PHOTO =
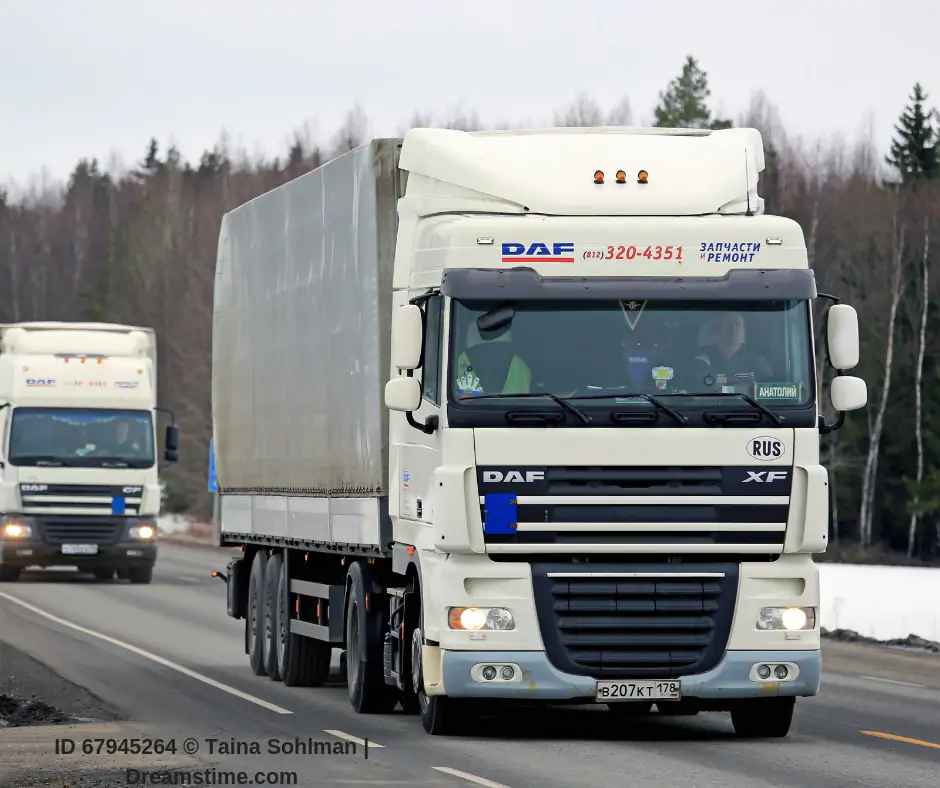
(139, 247)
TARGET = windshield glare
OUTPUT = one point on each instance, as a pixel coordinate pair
(597, 349)
(81, 437)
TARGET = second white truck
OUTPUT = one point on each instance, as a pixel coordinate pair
(528, 416)
(79, 483)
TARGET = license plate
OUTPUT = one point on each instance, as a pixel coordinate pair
(79, 549)
(615, 691)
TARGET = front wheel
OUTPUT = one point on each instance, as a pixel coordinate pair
(439, 714)
(141, 574)
(763, 718)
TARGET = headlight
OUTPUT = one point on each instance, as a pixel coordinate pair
(143, 532)
(15, 530)
(474, 619)
(789, 618)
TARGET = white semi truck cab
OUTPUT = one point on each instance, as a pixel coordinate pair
(79, 479)
(596, 475)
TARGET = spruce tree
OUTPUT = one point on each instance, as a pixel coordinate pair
(683, 103)
(915, 151)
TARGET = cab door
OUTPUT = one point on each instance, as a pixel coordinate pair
(420, 452)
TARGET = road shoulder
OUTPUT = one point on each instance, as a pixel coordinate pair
(883, 662)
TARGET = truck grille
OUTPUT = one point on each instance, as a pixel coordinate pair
(726, 510)
(81, 499)
(78, 531)
(637, 621)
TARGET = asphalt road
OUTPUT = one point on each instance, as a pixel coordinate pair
(170, 658)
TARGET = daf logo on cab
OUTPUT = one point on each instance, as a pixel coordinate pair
(514, 477)
(538, 253)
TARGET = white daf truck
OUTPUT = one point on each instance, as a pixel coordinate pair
(78, 471)
(528, 417)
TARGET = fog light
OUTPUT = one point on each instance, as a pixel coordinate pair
(489, 673)
(781, 671)
(763, 671)
(507, 673)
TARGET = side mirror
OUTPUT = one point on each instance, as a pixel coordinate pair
(403, 394)
(407, 335)
(848, 393)
(171, 443)
(842, 336)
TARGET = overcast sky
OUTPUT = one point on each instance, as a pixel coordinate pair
(93, 77)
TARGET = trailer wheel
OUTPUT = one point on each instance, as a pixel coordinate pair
(255, 613)
(763, 718)
(368, 692)
(301, 661)
(272, 577)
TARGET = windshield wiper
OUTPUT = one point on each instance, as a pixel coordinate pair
(554, 397)
(659, 404)
(746, 397)
(113, 462)
(45, 460)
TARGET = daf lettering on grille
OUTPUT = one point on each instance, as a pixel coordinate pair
(513, 477)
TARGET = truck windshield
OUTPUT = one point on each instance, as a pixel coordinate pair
(684, 353)
(81, 437)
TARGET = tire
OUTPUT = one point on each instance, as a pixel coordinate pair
(104, 574)
(272, 577)
(440, 715)
(301, 661)
(141, 574)
(254, 614)
(365, 671)
(9, 574)
(764, 718)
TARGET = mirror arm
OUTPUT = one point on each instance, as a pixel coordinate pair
(168, 412)
(825, 429)
(430, 423)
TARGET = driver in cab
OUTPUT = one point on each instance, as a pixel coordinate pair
(728, 360)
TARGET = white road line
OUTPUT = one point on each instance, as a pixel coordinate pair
(469, 777)
(147, 655)
(356, 739)
(894, 681)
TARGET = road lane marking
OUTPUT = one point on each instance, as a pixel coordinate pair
(894, 681)
(148, 655)
(905, 739)
(356, 739)
(469, 777)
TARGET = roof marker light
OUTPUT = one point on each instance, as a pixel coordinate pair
(598, 176)
(642, 176)
(621, 176)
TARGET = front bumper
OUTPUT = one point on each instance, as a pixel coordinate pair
(732, 679)
(115, 547)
